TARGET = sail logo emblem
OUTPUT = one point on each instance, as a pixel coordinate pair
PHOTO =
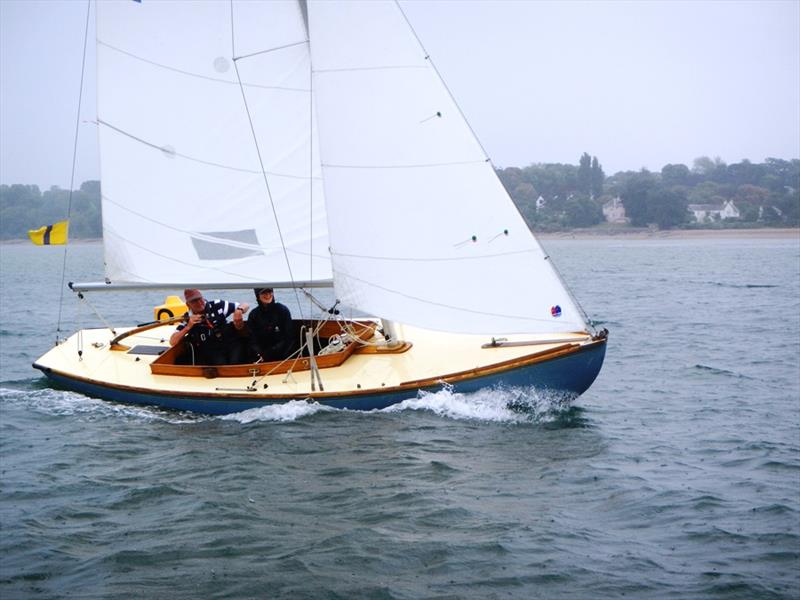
(555, 310)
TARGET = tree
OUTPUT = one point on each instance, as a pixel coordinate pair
(634, 195)
(667, 207)
(597, 178)
(675, 175)
(582, 211)
(585, 174)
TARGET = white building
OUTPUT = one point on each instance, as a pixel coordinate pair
(706, 213)
(614, 211)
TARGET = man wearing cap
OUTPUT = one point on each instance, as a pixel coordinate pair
(270, 325)
(212, 340)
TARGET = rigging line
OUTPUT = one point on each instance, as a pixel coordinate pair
(423, 260)
(442, 305)
(310, 172)
(441, 79)
(74, 160)
(586, 320)
(192, 158)
(233, 36)
(418, 166)
(266, 180)
(206, 77)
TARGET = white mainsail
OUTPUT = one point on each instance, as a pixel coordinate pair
(201, 187)
(184, 195)
(408, 189)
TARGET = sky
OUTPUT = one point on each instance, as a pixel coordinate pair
(639, 84)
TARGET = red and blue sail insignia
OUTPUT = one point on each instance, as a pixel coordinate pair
(555, 310)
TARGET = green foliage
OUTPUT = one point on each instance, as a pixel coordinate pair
(764, 193)
(667, 207)
(25, 207)
(582, 211)
(635, 194)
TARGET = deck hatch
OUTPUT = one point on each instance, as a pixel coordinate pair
(148, 350)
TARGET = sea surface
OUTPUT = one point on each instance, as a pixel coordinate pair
(677, 475)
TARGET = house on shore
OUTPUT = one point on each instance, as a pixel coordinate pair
(707, 213)
(614, 211)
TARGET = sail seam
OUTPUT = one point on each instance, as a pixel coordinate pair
(442, 305)
(198, 75)
(199, 160)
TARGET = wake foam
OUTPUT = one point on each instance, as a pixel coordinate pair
(500, 404)
(61, 403)
(289, 411)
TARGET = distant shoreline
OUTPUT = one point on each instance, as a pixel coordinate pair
(672, 234)
(611, 234)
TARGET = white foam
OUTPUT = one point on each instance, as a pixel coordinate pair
(503, 405)
(61, 403)
(289, 411)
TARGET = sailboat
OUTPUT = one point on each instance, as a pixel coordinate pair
(299, 145)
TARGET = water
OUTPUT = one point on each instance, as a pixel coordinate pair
(677, 475)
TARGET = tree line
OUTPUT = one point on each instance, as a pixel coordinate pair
(25, 207)
(550, 197)
(563, 196)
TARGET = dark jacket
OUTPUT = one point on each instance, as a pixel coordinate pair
(270, 327)
(214, 340)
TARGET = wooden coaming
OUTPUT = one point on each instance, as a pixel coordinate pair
(167, 363)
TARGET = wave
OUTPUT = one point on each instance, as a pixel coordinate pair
(717, 371)
(742, 286)
(497, 405)
(500, 405)
(289, 411)
(60, 403)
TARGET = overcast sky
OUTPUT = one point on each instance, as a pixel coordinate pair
(637, 84)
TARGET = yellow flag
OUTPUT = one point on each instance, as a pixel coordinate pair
(50, 234)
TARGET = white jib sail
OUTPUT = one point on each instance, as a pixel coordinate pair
(421, 229)
(184, 195)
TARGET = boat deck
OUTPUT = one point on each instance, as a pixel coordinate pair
(431, 358)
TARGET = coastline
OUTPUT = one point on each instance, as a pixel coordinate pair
(673, 234)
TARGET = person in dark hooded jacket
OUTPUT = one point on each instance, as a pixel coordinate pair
(270, 326)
